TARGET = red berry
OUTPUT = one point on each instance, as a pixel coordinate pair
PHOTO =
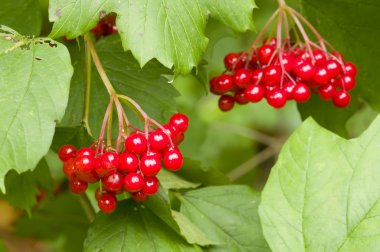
(333, 68)
(226, 102)
(66, 152)
(113, 182)
(158, 140)
(107, 203)
(180, 121)
(69, 168)
(84, 164)
(256, 76)
(86, 152)
(347, 82)
(242, 77)
(156, 153)
(272, 75)
(213, 85)
(288, 88)
(305, 71)
(254, 93)
(240, 98)
(77, 186)
(179, 138)
(265, 53)
(341, 99)
(301, 92)
(110, 160)
(287, 62)
(322, 76)
(224, 83)
(350, 69)
(150, 165)
(173, 159)
(99, 169)
(128, 162)
(338, 55)
(151, 185)
(319, 57)
(276, 98)
(133, 182)
(99, 193)
(173, 130)
(139, 196)
(136, 143)
(230, 60)
(326, 92)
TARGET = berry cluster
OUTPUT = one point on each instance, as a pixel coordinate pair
(280, 70)
(106, 26)
(132, 170)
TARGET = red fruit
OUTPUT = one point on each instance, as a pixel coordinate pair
(69, 168)
(347, 82)
(89, 177)
(110, 160)
(173, 159)
(272, 75)
(180, 121)
(256, 76)
(254, 93)
(242, 78)
(224, 83)
(276, 98)
(226, 102)
(107, 203)
(173, 130)
(301, 93)
(287, 62)
(265, 53)
(99, 193)
(66, 152)
(319, 57)
(133, 182)
(99, 169)
(333, 68)
(155, 153)
(305, 71)
(338, 55)
(113, 182)
(77, 186)
(151, 185)
(150, 165)
(271, 41)
(179, 138)
(322, 76)
(136, 143)
(158, 140)
(230, 60)
(213, 85)
(288, 88)
(86, 152)
(341, 99)
(139, 196)
(326, 92)
(84, 164)
(128, 162)
(240, 98)
(350, 69)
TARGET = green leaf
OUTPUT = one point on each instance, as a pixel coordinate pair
(133, 227)
(34, 86)
(323, 194)
(355, 33)
(227, 215)
(64, 215)
(170, 31)
(23, 188)
(169, 180)
(77, 136)
(24, 16)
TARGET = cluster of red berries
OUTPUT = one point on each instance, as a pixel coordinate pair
(106, 26)
(288, 73)
(133, 170)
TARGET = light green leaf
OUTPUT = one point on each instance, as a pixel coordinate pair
(24, 16)
(34, 85)
(227, 215)
(323, 194)
(133, 227)
(171, 31)
(169, 180)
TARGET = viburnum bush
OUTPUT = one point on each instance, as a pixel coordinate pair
(96, 98)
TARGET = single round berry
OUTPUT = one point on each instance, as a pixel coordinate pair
(265, 53)
(84, 164)
(350, 69)
(133, 182)
(326, 92)
(230, 60)
(77, 186)
(110, 160)
(226, 102)
(173, 159)
(99, 193)
(151, 185)
(172, 130)
(276, 98)
(128, 162)
(136, 143)
(333, 68)
(287, 62)
(150, 165)
(156, 153)
(139, 196)
(242, 78)
(319, 57)
(322, 76)
(347, 82)
(179, 138)
(89, 177)
(107, 203)
(305, 71)
(66, 152)
(224, 83)
(69, 168)
(341, 99)
(213, 85)
(180, 121)
(240, 97)
(256, 76)
(254, 93)
(158, 140)
(113, 182)
(272, 75)
(301, 93)
(288, 88)
(85, 152)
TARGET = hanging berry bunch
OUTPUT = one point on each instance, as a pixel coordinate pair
(282, 69)
(129, 165)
